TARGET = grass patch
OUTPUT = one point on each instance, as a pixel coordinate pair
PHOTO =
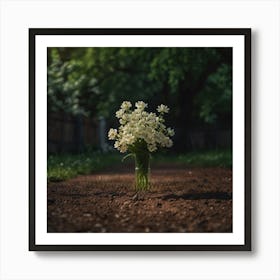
(219, 158)
(66, 166)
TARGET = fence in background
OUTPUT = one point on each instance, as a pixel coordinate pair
(73, 133)
(211, 139)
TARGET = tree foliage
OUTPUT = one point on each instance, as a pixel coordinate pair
(195, 82)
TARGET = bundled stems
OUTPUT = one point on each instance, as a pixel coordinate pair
(142, 171)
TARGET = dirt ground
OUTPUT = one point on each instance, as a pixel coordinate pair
(180, 200)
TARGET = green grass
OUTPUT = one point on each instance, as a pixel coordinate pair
(218, 158)
(63, 167)
(66, 166)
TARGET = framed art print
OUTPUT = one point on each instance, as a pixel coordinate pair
(140, 139)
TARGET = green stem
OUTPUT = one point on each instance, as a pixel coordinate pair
(142, 170)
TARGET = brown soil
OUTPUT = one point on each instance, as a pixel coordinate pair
(180, 200)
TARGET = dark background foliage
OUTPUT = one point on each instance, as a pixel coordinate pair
(196, 83)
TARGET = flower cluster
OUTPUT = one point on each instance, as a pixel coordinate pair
(140, 129)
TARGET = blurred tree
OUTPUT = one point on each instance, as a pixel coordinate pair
(188, 72)
(194, 82)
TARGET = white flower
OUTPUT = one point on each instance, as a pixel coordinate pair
(112, 134)
(119, 113)
(123, 148)
(152, 148)
(122, 121)
(162, 109)
(126, 105)
(141, 105)
(170, 131)
(129, 139)
(117, 144)
(139, 126)
(169, 143)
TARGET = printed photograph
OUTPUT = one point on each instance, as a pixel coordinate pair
(139, 139)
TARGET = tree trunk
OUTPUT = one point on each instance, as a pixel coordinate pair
(185, 100)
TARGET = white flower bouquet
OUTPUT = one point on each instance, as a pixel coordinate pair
(141, 133)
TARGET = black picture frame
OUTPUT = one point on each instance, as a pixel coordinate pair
(246, 32)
